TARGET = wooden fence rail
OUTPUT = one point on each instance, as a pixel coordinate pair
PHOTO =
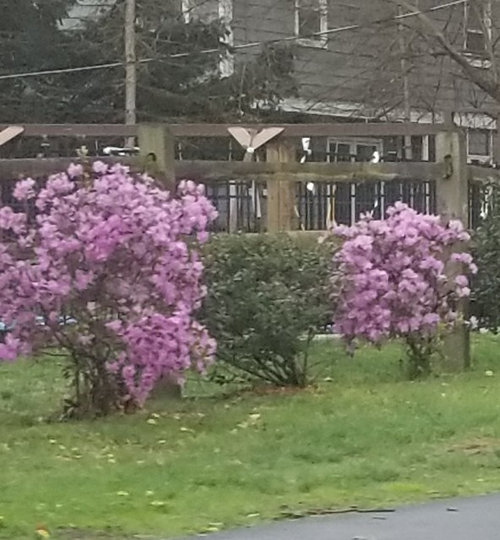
(231, 170)
(280, 177)
(381, 129)
(275, 192)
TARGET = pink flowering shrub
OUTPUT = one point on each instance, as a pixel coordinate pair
(401, 278)
(109, 273)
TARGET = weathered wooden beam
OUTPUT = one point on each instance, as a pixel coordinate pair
(281, 191)
(232, 170)
(381, 129)
(14, 168)
(306, 172)
(77, 130)
(452, 199)
(451, 187)
(157, 156)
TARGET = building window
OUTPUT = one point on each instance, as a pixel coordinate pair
(311, 19)
(479, 142)
(477, 27)
(352, 150)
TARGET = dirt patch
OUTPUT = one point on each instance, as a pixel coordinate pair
(477, 446)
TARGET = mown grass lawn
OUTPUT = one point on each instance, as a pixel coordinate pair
(366, 438)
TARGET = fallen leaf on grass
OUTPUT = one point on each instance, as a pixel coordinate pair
(213, 527)
(41, 532)
(158, 504)
(253, 420)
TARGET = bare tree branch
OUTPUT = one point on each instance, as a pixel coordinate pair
(485, 79)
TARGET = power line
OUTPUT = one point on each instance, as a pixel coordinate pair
(242, 46)
(333, 30)
(68, 70)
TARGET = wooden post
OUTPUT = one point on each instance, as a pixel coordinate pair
(452, 185)
(281, 190)
(157, 151)
(130, 67)
(452, 199)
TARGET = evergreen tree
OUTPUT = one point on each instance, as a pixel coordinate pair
(186, 88)
(30, 40)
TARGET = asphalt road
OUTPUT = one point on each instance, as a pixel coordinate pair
(463, 519)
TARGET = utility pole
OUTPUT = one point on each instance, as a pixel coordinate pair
(403, 49)
(130, 68)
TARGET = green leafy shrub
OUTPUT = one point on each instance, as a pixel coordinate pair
(485, 303)
(268, 296)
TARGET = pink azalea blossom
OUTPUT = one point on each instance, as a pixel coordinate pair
(117, 255)
(75, 170)
(100, 167)
(395, 275)
(24, 189)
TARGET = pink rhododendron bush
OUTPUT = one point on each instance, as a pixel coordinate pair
(107, 272)
(402, 277)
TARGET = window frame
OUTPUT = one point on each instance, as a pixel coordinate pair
(320, 41)
(353, 143)
(478, 58)
(485, 158)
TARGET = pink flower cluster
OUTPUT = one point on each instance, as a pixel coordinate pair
(400, 276)
(118, 255)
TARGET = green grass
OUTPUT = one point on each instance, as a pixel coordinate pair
(366, 437)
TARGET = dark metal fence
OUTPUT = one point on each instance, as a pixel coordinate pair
(321, 204)
(242, 205)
